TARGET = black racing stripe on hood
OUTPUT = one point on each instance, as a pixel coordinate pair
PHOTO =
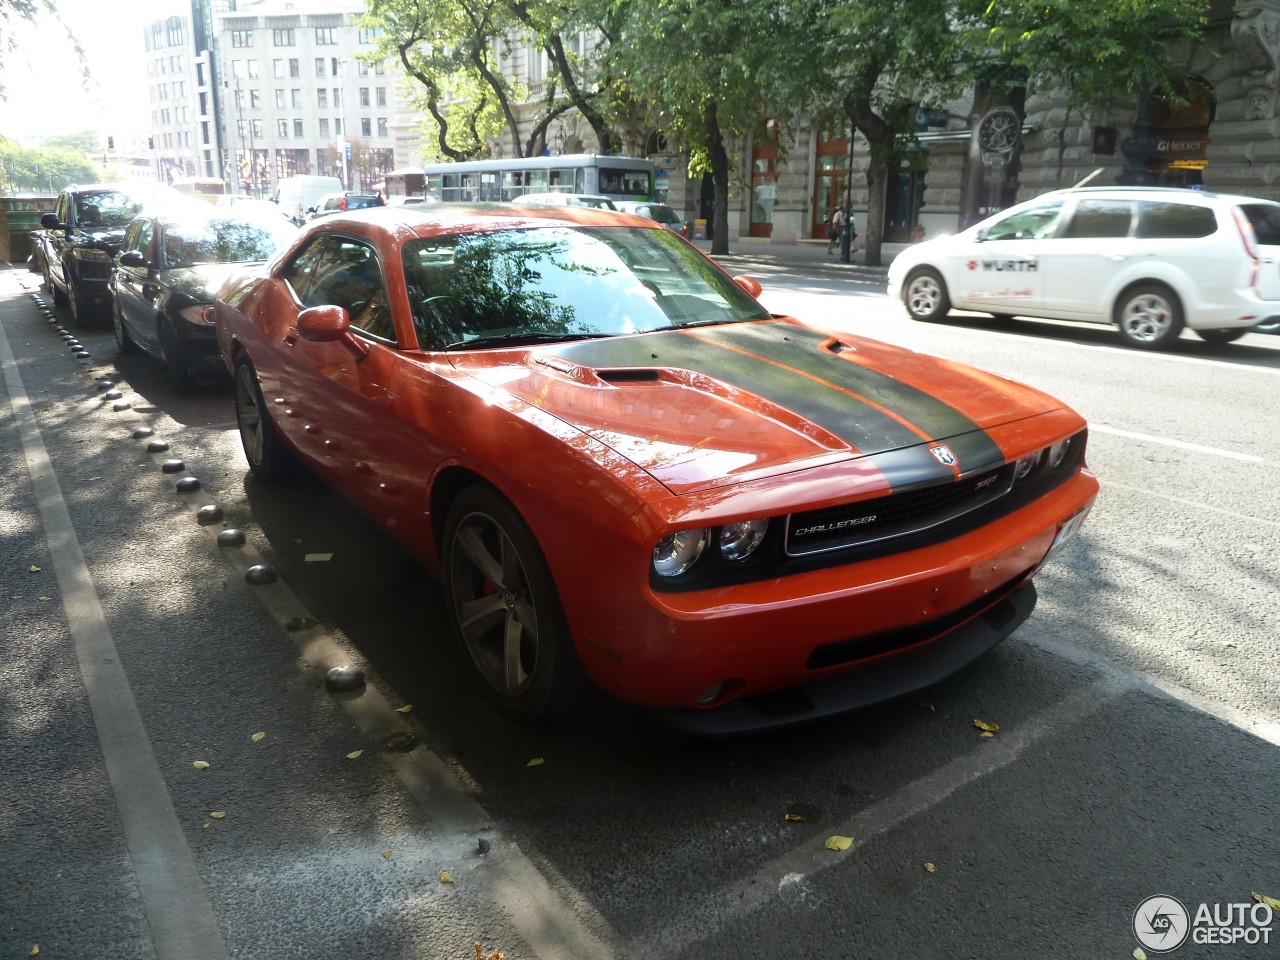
(858, 424)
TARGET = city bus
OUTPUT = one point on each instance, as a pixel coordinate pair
(618, 178)
(201, 188)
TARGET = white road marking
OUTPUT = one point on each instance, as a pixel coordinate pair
(180, 918)
(1182, 445)
(1148, 493)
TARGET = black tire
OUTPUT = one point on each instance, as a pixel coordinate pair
(123, 340)
(82, 315)
(1230, 335)
(924, 294)
(505, 609)
(269, 459)
(176, 369)
(1268, 326)
(1149, 316)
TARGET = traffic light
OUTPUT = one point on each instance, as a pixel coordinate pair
(111, 143)
(151, 143)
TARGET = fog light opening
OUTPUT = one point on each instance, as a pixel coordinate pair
(721, 692)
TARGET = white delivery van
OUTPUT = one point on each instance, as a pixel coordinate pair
(297, 195)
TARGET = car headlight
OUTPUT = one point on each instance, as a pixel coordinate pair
(739, 540)
(1026, 466)
(200, 315)
(91, 253)
(1058, 453)
(677, 552)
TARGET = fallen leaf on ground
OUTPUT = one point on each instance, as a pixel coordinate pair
(257, 736)
(1271, 902)
(535, 762)
(405, 709)
(794, 817)
(35, 948)
(354, 754)
(446, 876)
(218, 814)
(46, 599)
(930, 868)
(988, 734)
(200, 764)
(986, 727)
(205, 825)
(386, 854)
(1139, 954)
(33, 569)
(318, 557)
(839, 843)
(928, 706)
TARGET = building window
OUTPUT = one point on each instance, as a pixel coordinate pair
(324, 129)
(242, 38)
(255, 99)
(369, 34)
(378, 70)
(257, 128)
(279, 99)
(253, 69)
(326, 36)
(382, 126)
(322, 98)
(337, 98)
(240, 129)
(297, 99)
(282, 38)
(333, 66)
(319, 66)
(297, 129)
(277, 69)
(337, 126)
(176, 31)
(282, 128)
(366, 127)
(237, 69)
(364, 96)
(380, 97)
(362, 68)
(295, 70)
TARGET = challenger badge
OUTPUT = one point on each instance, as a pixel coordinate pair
(942, 453)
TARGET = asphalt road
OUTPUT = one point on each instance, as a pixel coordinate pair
(1136, 756)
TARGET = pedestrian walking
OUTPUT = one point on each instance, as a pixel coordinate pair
(834, 227)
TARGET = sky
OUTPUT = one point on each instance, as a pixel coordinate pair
(45, 90)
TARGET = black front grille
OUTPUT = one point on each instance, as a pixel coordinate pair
(897, 515)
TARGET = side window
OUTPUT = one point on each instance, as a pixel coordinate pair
(345, 273)
(1034, 224)
(1100, 218)
(1173, 220)
(64, 209)
(131, 236)
(1265, 220)
(146, 231)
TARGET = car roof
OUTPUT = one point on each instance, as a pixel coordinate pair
(445, 218)
(1181, 193)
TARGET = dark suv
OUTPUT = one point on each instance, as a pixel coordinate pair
(339, 202)
(78, 242)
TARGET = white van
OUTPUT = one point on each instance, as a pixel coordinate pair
(297, 195)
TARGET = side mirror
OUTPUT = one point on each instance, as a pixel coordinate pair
(50, 221)
(133, 259)
(749, 284)
(330, 324)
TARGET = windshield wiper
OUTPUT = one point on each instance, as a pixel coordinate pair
(681, 325)
(523, 339)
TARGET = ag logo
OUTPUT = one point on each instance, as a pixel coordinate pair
(1161, 924)
(942, 453)
(972, 264)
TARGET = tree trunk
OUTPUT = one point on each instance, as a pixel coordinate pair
(880, 142)
(719, 178)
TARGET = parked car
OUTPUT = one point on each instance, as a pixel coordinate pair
(626, 469)
(79, 240)
(657, 212)
(400, 201)
(241, 204)
(297, 195)
(170, 267)
(341, 202)
(566, 200)
(1150, 260)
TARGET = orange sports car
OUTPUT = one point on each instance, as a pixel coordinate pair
(627, 471)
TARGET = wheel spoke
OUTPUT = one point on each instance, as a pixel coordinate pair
(514, 674)
(476, 616)
(481, 559)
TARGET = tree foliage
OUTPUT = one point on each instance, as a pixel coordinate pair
(42, 170)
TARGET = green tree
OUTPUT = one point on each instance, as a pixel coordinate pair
(871, 60)
(695, 65)
(42, 170)
(86, 141)
(449, 47)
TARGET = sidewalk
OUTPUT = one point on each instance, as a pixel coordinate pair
(807, 253)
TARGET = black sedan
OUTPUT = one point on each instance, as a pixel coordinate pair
(169, 269)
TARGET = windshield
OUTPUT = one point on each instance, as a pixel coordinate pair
(223, 241)
(564, 281)
(105, 210)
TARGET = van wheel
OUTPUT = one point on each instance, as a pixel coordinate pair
(1222, 336)
(1149, 316)
(925, 295)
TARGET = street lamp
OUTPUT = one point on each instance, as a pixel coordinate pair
(344, 143)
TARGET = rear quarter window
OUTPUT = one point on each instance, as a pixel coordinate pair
(1265, 219)
(1163, 221)
(1100, 218)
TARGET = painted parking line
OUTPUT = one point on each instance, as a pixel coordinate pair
(1182, 445)
(181, 921)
